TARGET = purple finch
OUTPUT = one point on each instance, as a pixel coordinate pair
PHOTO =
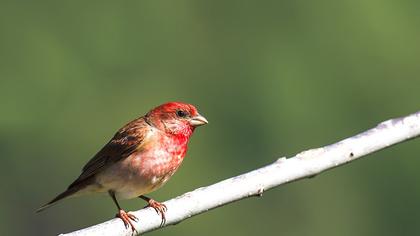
(140, 158)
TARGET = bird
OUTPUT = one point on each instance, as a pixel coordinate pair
(140, 158)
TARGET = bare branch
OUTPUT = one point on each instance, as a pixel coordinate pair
(305, 164)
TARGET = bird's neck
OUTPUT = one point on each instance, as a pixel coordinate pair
(179, 139)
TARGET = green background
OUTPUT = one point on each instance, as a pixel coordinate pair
(273, 78)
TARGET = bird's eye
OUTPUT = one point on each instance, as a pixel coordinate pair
(181, 113)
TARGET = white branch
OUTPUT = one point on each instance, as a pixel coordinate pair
(305, 164)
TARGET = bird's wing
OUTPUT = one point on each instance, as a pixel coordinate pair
(126, 141)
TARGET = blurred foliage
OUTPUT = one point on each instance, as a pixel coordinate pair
(273, 78)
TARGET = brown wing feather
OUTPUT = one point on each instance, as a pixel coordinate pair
(122, 145)
(124, 142)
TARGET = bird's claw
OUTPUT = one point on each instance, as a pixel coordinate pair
(127, 218)
(160, 209)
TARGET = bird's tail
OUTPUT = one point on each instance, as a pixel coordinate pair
(69, 192)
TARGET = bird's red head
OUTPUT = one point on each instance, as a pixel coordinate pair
(176, 118)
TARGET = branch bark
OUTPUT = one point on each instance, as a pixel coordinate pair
(305, 164)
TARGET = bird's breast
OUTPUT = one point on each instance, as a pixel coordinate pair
(145, 170)
(159, 162)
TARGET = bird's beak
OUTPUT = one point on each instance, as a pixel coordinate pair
(198, 120)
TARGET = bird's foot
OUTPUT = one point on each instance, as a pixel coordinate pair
(128, 219)
(160, 209)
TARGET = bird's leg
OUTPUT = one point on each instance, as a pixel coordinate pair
(160, 208)
(126, 217)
